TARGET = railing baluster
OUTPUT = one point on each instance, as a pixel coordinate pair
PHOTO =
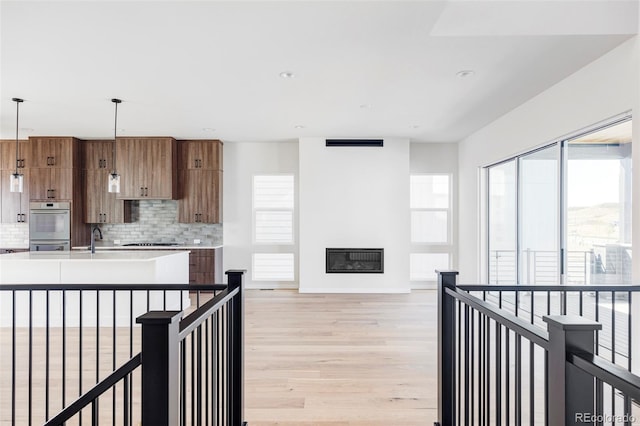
(498, 409)
(13, 358)
(518, 379)
(30, 418)
(113, 360)
(64, 348)
(47, 360)
(507, 385)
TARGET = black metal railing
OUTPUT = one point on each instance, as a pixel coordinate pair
(499, 365)
(59, 343)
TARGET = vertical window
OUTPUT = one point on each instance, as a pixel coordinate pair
(431, 229)
(273, 201)
(273, 219)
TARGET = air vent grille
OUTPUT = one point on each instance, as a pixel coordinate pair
(354, 142)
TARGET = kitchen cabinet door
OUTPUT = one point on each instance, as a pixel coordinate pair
(200, 154)
(147, 167)
(51, 184)
(98, 155)
(14, 206)
(201, 196)
(51, 152)
(8, 154)
(102, 206)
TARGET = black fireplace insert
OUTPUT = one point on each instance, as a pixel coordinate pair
(355, 261)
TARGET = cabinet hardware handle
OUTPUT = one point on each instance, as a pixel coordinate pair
(53, 161)
(53, 193)
(24, 217)
(141, 191)
(146, 191)
(22, 163)
(18, 217)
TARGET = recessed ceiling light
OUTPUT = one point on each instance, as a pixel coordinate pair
(415, 126)
(365, 106)
(299, 126)
(208, 129)
(287, 74)
(465, 73)
(26, 129)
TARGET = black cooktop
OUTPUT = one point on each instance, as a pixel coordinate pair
(150, 244)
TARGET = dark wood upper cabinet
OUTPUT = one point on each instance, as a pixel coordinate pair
(147, 168)
(8, 154)
(102, 206)
(97, 155)
(200, 154)
(201, 200)
(14, 206)
(52, 163)
(58, 152)
(200, 181)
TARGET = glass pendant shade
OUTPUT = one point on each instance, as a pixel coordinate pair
(114, 182)
(16, 184)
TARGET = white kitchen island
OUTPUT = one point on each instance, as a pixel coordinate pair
(121, 267)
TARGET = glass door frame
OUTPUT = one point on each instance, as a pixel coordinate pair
(561, 145)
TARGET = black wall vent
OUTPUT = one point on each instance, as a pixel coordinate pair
(354, 142)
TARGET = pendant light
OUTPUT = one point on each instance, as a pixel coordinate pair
(17, 180)
(114, 177)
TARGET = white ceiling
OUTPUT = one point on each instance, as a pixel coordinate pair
(362, 69)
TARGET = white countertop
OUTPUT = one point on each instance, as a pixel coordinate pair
(119, 255)
(110, 246)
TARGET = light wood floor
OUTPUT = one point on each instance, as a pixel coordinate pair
(332, 360)
(340, 359)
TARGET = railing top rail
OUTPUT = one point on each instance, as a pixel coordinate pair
(96, 391)
(563, 288)
(197, 317)
(100, 287)
(612, 374)
(510, 321)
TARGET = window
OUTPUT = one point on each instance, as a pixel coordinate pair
(273, 201)
(431, 228)
(273, 219)
(429, 197)
(273, 267)
(537, 237)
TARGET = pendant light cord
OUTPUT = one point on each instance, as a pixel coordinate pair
(17, 101)
(115, 135)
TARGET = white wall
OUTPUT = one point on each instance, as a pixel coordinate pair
(356, 198)
(243, 160)
(602, 89)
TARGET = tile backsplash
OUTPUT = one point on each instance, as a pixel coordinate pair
(156, 221)
(153, 221)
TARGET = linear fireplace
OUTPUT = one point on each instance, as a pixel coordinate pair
(355, 260)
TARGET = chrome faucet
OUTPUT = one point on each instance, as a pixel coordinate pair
(93, 238)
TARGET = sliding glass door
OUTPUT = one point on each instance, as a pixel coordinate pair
(562, 213)
(502, 218)
(598, 213)
(538, 222)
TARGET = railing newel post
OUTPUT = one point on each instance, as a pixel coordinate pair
(235, 400)
(446, 348)
(571, 390)
(160, 367)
